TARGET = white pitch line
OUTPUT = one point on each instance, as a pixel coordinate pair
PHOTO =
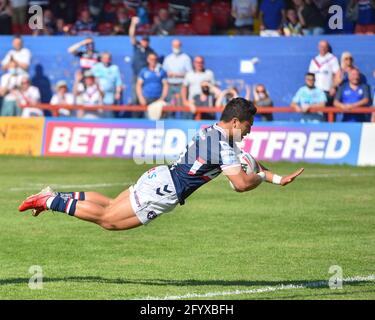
(335, 175)
(280, 287)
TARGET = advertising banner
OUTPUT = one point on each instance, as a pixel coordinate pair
(320, 143)
(20, 136)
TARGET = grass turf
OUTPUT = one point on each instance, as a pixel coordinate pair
(219, 241)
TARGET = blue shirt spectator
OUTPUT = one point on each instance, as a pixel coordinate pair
(152, 81)
(352, 95)
(366, 12)
(85, 25)
(109, 79)
(272, 13)
(308, 97)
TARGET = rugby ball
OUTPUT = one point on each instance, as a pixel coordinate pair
(248, 164)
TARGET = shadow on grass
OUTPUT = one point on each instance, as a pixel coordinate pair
(179, 283)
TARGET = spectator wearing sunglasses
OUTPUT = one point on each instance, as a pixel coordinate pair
(262, 99)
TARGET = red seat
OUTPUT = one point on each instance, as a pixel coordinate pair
(184, 29)
(221, 12)
(105, 28)
(202, 23)
(156, 6)
(200, 7)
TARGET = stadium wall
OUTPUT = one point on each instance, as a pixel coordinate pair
(154, 142)
(282, 61)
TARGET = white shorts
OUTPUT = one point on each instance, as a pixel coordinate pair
(153, 194)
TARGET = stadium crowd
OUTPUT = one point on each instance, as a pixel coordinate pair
(182, 17)
(178, 80)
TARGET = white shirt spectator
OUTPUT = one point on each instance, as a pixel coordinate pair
(22, 56)
(28, 97)
(8, 82)
(90, 96)
(177, 63)
(67, 99)
(193, 81)
(243, 11)
(324, 68)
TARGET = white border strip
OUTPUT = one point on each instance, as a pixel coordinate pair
(280, 287)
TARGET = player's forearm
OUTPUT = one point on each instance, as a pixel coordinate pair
(272, 177)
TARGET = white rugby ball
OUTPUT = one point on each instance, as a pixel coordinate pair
(248, 164)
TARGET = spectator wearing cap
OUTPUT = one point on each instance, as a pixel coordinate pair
(152, 82)
(176, 64)
(87, 92)
(109, 78)
(27, 97)
(141, 49)
(20, 55)
(163, 25)
(88, 57)
(351, 95)
(191, 85)
(62, 97)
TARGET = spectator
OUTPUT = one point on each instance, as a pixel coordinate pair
(9, 82)
(180, 10)
(109, 78)
(262, 99)
(142, 13)
(351, 95)
(228, 94)
(96, 9)
(347, 64)
(88, 93)
(292, 27)
(62, 97)
(206, 98)
(326, 68)
(312, 21)
(61, 28)
(152, 84)
(122, 22)
(365, 16)
(5, 17)
(176, 64)
(191, 85)
(272, 17)
(244, 12)
(141, 50)
(163, 24)
(88, 57)
(85, 25)
(308, 97)
(19, 8)
(20, 55)
(27, 97)
(49, 24)
(65, 9)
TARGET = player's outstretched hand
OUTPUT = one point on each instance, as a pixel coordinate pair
(289, 178)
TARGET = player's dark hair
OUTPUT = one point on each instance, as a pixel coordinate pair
(239, 108)
(309, 74)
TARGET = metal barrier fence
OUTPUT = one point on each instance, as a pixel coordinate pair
(330, 111)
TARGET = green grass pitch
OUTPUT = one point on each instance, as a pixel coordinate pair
(246, 245)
